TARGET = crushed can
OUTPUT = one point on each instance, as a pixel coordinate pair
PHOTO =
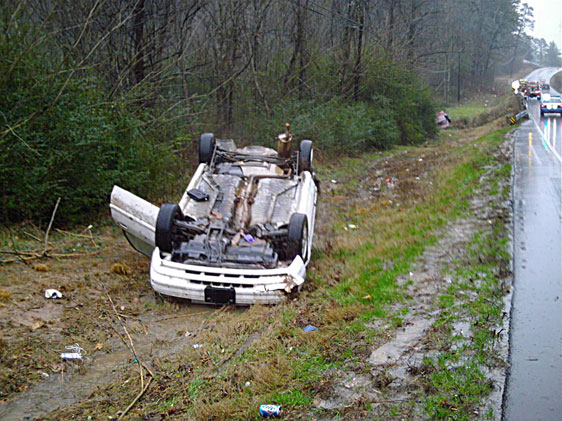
(270, 410)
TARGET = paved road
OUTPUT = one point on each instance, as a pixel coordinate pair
(534, 386)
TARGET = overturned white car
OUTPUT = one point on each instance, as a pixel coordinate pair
(242, 232)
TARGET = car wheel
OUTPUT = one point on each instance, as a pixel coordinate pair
(298, 236)
(206, 148)
(165, 230)
(305, 156)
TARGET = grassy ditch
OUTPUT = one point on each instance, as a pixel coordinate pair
(469, 325)
(457, 378)
(472, 108)
(378, 214)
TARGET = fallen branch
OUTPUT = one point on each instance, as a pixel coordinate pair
(140, 393)
(25, 260)
(77, 254)
(32, 236)
(28, 256)
(142, 366)
(49, 227)
(63, 232)
(131, 346)
(92, 235)
(81, 234)
(21, 253)
(16, 252)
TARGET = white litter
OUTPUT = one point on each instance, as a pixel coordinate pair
(77, 352)
(52, 293)
(334, 181)
(352, 383)
(197, 346)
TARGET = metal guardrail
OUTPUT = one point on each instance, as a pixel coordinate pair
(515, 118)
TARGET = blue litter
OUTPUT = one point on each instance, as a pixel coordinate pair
(248, 238)
(310, 328)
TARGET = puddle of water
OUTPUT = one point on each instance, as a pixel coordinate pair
(345, 394)
(404, 340)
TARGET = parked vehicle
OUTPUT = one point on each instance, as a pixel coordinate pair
(242, 232)
(551, 105)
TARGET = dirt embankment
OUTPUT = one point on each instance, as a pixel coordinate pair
(107, 289)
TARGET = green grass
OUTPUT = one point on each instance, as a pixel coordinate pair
(474, 107)
(292, 399)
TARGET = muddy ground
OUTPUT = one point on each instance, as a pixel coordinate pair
(108, 304)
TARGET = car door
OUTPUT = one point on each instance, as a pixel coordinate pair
(136, 217)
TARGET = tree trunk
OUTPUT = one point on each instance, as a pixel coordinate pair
(138, 27)
(357, 67)
(346, 50)
(390, 28)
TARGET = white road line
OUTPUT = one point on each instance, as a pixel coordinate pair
(546, 141)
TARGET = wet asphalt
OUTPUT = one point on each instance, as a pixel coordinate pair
(534, 383)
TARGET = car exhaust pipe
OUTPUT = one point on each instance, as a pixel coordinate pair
(284, 143)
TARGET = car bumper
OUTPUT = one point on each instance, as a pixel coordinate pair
(547, 111)
(216, 285)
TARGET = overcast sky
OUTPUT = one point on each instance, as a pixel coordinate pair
(548, 19)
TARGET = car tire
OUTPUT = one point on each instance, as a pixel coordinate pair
(298, 236)
(206, 148)
(165, 231)
(305, 156)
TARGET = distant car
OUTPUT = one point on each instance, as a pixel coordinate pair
(242, 232)
(545, 87)
(551, 105)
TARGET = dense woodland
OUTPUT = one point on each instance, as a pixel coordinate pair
(99, 92)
